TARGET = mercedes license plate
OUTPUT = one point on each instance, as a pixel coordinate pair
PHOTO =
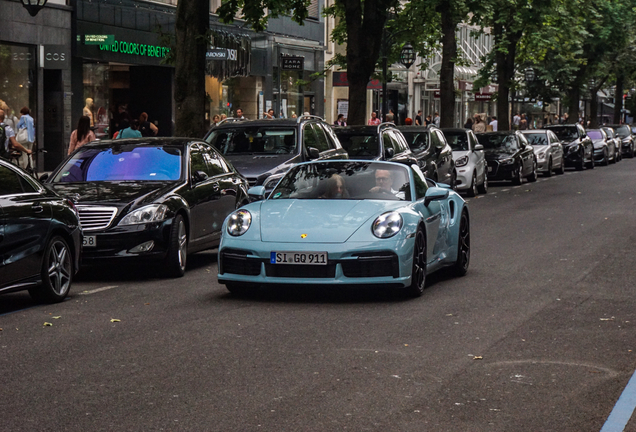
(90, 241)
(307, 258)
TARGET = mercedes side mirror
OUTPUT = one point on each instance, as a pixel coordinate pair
(478, 147)
(389, 153)
(199, 176)
(313, 153)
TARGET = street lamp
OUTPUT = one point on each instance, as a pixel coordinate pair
(33, 6)
(529, 74)
(407, 55)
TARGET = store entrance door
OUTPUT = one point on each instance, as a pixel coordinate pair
(151, 92)
(53, 122)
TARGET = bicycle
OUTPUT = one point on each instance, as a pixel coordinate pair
(30, 169)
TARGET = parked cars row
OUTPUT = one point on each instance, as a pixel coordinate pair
(159, 199)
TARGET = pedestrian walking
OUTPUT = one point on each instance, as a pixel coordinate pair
(523, 122)
(468, 124)
(82, 135)
(428, 121)
(9, 119)
(516, 120)
(374, 120)
(132, 131)
(340, 121)
(215, 120)
(480, 125)
(494, 123)
(7, 139)
(25, 135)
(418, 118)
(146, 128)
(436, 119)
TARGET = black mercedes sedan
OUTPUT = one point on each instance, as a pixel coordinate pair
(509, 156)
(578, 149)
(150, 198)
(40, 237)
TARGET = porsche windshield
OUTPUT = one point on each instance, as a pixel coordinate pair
(345, 180)
(122, 163)
(537, 139)
(360, 146)
(254, 140)
(565, 133)
(457, 140)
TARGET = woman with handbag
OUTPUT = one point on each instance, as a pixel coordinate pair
(25, 135)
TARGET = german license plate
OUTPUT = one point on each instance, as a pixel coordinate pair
(90, 241)
(306, 258)
(489, 169)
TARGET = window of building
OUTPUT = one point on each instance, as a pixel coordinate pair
(17, 81)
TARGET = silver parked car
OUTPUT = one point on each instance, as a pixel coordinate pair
(605, 147)
(470, 162)
(618, 142)
(548, 150)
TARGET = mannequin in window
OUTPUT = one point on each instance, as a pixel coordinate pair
(88, 110)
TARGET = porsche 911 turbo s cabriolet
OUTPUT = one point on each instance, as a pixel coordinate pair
(346, 223)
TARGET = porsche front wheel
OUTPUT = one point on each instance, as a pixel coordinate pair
(418, 274)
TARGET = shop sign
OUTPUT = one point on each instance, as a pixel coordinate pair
(56, 57)
(292, 63)
(465, 85)
(436, 94)
(91, 39)
(137, 49)
(483, 97)
(216, 54)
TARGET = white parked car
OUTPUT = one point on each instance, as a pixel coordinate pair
(470, 163)
(548, 150)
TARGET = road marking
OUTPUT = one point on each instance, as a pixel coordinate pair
(623, 409)
(97, 290)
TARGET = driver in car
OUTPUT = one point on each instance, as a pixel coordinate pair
(384, 183)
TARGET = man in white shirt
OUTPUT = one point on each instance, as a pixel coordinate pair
(384, 183)
(493, 123)
(436, 119)
(516, 120)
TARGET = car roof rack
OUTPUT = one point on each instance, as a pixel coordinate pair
(230, 119)
(308, 117)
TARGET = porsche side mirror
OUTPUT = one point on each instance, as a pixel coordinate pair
(313, 153)
(435, 194)
(256, 193)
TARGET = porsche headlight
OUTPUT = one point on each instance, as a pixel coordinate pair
(387, 225)
(507, 161)
(146, 214)
(239, 222)
(461, 161)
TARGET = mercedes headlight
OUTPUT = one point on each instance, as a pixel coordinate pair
(387, 225)
(541, 155)
(239, 222)
(272, 181)
(461, 161)
(146, 214)
(507, 161)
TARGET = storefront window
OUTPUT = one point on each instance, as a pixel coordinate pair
(96, 97)
(17, 80)
(292, 89)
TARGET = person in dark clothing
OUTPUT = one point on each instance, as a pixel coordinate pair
(469, 124)
(146, 128)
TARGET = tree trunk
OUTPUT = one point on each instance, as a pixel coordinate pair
(192, 23)
(363, 50)
(505, 73)
(618, 100)
(447, 70)
(593, 110)
(574, 94)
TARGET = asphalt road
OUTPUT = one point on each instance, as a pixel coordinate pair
(538, 336)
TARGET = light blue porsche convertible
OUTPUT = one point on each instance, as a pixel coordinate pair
(361, 223)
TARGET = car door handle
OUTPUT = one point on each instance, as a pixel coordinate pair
(37, 208)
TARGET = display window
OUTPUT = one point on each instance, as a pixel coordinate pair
(17, 80)
(96, 97)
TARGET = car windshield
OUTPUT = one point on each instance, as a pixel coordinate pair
(130, 162)
(254, 140)
(345, 180)
(537, 139)
(623, 131)
(595, 134)
(497, 142)
(609, 132)
(457, 140)
(416, 140)
(565, 132)
(359, 146)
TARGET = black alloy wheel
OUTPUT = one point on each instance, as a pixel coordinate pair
(631, 151)
(56, 272)
(580, 164)
(483, 187)
(548, 173)
(460, 268)
(517, 176)
(533, 175)
(472, 190)
(418, 274)
(176, 259)
(605, 157)
(561, 169)
(453, 180)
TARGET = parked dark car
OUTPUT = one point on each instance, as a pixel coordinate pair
(154, 199)
(381, 142)
(264, 150)
(578, 149)
(40, 237)
(604, 146)
(624, 132)
(509, 156)
(433, 152)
